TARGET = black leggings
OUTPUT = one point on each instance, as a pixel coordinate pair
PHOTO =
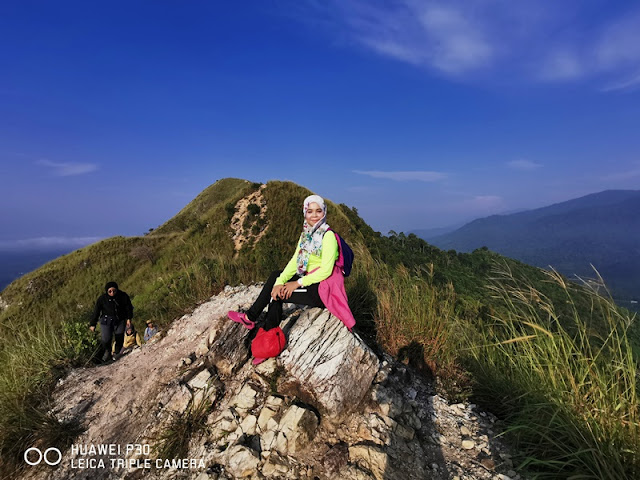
(274, 315)
(110, 330)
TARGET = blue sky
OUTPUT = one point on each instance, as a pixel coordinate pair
(114, 115)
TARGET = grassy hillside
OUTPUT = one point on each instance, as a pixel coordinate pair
(167, 273)
(459, 316)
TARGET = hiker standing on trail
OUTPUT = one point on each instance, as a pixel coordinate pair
(310, 278)
(113, 309)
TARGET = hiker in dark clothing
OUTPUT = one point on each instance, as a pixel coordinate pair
(113, 309)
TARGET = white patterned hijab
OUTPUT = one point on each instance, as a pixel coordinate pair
(311, 237)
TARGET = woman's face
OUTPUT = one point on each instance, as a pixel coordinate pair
(112, 292)
(314, 214)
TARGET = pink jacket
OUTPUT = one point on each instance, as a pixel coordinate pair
(334, 296)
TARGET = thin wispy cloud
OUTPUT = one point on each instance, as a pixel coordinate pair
(524, 165)
(630, 83)
(623, 176)
(534, 40)
(436, 35)
(475, 205)
(618, 43)
(404, 176)
(562, 64)
(69, 168)
(360, 189)
(483, 202)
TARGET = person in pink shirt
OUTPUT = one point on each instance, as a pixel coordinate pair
(312, 277)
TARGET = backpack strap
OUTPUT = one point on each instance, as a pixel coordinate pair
(340, 260)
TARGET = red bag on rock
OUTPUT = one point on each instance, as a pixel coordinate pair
(268, 343)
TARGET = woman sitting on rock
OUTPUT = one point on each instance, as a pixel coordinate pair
(310, 278)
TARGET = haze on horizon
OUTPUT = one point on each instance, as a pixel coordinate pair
(114, 115)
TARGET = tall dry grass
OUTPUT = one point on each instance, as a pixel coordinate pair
(412, 318)
(566, 386)
(27, 371)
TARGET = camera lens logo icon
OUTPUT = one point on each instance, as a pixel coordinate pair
(51, 456)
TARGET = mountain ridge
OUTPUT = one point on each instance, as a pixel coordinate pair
(597, 229)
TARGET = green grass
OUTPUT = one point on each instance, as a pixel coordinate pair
(30, 367)
(45, 329)
(569, 395)
(552, 358)
(408, 316)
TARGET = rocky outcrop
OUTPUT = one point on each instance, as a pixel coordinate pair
(327, 365)
(249, 220)
(327, 408)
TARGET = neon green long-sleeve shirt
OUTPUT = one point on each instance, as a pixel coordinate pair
(325, 263)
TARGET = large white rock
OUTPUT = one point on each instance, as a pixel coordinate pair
(296, 430)
(372, 458)
(248, 425)
(242, 461)
(271, 406)
(328, 366)
(201, 380)
(179, 400)
(275, 466)
(246, 398)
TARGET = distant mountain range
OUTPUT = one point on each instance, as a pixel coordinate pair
(601, 229)
(436, 232)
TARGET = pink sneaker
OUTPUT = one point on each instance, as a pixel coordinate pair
(241, 318)
(258, 361)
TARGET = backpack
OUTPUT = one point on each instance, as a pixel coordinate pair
(347, 255)
(268, 343)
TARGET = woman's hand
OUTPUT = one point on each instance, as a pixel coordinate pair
(276, 291)
(288, 289)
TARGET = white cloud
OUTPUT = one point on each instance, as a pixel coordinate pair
(47, 243)
(68, 169)
(403, 176)
(457, 43)
(430, 34)
(526, 41)
(525, 165)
